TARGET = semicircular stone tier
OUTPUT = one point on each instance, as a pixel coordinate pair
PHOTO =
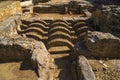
(37, 30)
(80, 28)
(59, 36)
(27, 22)
(63, 21)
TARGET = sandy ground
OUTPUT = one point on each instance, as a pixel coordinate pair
(23, 70)
(16, 71)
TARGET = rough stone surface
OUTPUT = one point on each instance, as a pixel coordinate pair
(15, 48)
(40, 59)
(49, 8)
(69, 7)
(106, 18)
(8, 26)
(103, 45)
(8, 8)
(84, 69)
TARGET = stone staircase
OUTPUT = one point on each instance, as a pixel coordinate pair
(58, 35)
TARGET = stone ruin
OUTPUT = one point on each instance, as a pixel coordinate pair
(59, 40)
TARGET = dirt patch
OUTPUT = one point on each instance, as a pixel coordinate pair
(17, 71)
(106, 70)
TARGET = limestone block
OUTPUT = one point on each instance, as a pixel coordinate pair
(84, 69)
(103, 45)
(8, 8)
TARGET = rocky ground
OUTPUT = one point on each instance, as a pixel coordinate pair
(94, 58)
(106, 69)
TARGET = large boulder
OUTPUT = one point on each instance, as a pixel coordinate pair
(103, 45)
(14, 48)
(82, 70)
(40, 60)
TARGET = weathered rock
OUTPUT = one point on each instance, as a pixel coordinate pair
(103, 45)
(106, 18)
(15, 48)
(8, 8)
(40, 59)
(49, 8)
(8, 26)
(83, 69)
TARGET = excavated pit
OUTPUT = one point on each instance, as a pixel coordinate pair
(59, 37)
(59, 32)
(62, 26)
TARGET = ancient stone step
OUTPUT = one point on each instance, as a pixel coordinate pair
(57, 33)
(81, 31)
(79, 24)
(32, 29)
(28, 21)
(60, 42)
(38, 25)
(59, 50)
(82, 28)
(82, 36)
(41, 21)
(59, 28)
(60, 24)
(36, 36)
(63, 21)
(60, 36)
